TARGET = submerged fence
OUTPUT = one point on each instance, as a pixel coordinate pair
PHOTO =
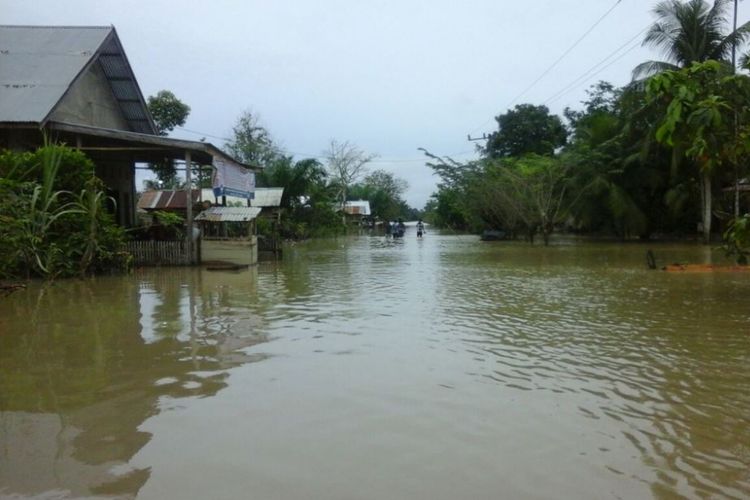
(158, 253)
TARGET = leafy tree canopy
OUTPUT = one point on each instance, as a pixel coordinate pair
(383, 190)
(167, 111)
(526, 129)
(251, 142)
(692, 31)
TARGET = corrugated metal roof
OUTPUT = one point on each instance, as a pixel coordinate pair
(40, 63)
(165, 200)
(228, 214)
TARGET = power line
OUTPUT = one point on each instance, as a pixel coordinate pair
(635, 46)
(585, 76)
(321, 156)
(568, 51)
(556, 62)
(203, 134)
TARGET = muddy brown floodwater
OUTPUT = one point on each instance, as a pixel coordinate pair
(362, 368)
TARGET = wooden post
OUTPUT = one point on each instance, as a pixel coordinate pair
(189, 218)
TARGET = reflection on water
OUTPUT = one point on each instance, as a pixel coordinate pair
(84, 364)
(440, 368)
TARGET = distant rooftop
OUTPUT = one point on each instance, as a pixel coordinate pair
(357, 207)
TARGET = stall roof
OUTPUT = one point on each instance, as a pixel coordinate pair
(228, 214)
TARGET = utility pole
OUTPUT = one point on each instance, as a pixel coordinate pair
(734, 43)
(471, 139)
(734, 70)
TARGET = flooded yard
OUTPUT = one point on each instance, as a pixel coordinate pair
(365, 368)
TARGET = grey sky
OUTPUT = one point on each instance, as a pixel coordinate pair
(389, 76)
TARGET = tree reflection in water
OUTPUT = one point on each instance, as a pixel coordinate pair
(84, 363)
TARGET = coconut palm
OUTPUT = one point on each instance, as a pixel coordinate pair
(692, 31)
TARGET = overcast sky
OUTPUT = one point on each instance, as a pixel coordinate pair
(389, 76)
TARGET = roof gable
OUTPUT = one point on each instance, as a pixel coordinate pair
(39, 65)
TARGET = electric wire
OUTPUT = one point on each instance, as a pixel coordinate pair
(564, 54)
(376, 160)
(555, 63)
(588, 73)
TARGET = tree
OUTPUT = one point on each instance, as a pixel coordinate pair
(167, 111)
(452, 206)
(526, 129)
(532, 189)
(300, 179)
(383, 190)
(346, 164)
(687, 32)
(251, 142)
(707, 120)
(625, 172)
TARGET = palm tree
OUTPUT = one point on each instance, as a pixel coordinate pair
(692, 31)
(688, 32)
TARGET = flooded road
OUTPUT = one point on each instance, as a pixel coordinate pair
(370, 369)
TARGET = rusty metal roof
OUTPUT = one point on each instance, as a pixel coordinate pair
(166, 200)
(228, 214)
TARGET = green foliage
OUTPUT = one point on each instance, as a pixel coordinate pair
(688, 32)
(451, 206)
(314, 220)
(251, 143)
(167, 111)
(737, 239)
(48, 231)
(526, 129)
(383, 190)
(169, 219)
(707, 120)
(299, 179)
(530, 193)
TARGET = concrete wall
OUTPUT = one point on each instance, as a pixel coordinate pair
(241, 252)
(90, 102)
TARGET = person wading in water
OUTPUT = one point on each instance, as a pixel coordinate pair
(420, 228)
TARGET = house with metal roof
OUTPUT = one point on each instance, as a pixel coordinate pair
(357, 211)
(76, 85)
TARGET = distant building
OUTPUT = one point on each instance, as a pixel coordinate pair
(357, 211)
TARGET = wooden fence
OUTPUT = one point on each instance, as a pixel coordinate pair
(158, 253)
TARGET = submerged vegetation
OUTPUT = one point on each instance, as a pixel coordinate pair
(53, 217)
(652, 158)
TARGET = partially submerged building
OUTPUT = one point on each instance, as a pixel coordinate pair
(357, 212)
(76, 86)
